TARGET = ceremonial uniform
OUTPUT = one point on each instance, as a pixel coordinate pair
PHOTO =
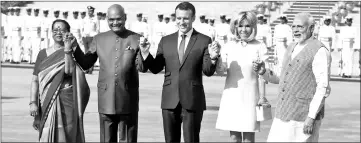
(281, 39)
(327, 35)
(158, 33)
(28, 32)
(46, 35)
(347, 37)
(222, 30)
(4, 35)
(35, 36)
(139, 26)
(91, 28)
(264, 33)
(18, 31)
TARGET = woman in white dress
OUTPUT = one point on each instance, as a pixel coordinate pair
(237, 112)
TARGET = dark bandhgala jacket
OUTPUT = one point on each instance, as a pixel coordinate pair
(120, 60)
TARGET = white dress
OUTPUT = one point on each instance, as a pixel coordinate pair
(237, 110)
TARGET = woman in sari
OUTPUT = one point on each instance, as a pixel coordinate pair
(59, 90)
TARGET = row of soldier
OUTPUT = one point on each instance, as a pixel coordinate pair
(24, 36)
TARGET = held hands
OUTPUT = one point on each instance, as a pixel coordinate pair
(144, 45)
(259, 67)
(214, 50)
(69, 41)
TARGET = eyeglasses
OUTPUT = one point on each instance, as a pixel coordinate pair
(59, 31)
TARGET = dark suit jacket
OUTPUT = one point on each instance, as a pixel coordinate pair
(118, 81)
(183, 81)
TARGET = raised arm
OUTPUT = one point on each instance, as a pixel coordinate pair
(157, 64)
(209, 65)
(88, 59)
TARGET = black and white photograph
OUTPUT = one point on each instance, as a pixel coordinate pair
(180, 71)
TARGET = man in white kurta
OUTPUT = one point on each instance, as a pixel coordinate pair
(17, 35)
(327, 34)
(348, 34)
(282, 37)
(35, 35)
(293, 129)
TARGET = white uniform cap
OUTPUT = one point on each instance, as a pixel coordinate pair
(260, 15)
(348, 17)
(45, 9)
(283, 16)
(327, 17)
(17, 8)
(228, 17)
(145, 16)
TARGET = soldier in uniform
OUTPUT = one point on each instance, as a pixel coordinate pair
(222, 30)
(46, 23)
(173, 23)
(91, 28)
(76, 25)
(103, 23)
(26, 43)
(146, 29)
(35, 35)
(8, 34)
(327, 33)
(17, 35)
(56, 14)
(65, 15)
(4, 34)
(138, 26)
(282, 37)
(158, 33)
(264, 33)
(348, 34)
(212, 29)
(228, 20)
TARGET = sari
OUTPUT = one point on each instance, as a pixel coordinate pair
(61, 109)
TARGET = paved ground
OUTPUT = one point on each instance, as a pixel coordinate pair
(342, 121)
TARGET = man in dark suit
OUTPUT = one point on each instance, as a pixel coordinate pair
(120, 57)
(184, 54)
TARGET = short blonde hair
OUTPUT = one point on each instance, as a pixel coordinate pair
(239, 18)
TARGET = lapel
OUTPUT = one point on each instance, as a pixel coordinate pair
(191, 42)
(174, 49)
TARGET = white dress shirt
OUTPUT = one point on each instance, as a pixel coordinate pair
(321, 70)
(187, 38)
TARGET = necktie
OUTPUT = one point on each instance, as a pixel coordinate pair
(181, 48)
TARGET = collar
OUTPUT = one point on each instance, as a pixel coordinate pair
(189, 33)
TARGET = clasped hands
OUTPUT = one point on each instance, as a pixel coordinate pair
(144, 45)
(69, 42)
(214, 50)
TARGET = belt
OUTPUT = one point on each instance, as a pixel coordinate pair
(348, 39)
(35, 28)
(17, 29)
(281, 39)
(326, 38)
